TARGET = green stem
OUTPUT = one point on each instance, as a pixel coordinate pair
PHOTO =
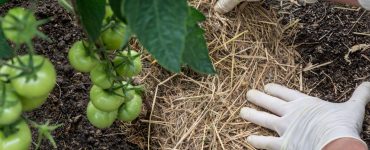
(66, 5)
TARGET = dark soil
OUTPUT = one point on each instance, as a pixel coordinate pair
(67, 103)
(326, 34)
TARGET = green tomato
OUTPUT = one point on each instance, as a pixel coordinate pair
(129, 94)
(104, 100)
(126, 68)
(4, 70)
(26, 28)
(113, 38)
(29, 104)
(131, 109)
(98, 118)
(79, 58)
(101, 77)
(12, 108)
(20, 140)
(38, 83)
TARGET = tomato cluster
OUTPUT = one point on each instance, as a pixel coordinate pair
(25, 81)
(111, 67)
(24, 87)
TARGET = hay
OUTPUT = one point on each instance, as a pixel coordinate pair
(191, 111)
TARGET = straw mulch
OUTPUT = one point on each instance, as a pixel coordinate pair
(192, 111)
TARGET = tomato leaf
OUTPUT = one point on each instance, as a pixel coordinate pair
(196, 54)
(117, 7)
(5, 50)
(91, 14)
(195, 16)
(3, 1)
(160, 26)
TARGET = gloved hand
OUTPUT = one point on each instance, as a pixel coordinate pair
(304, 122)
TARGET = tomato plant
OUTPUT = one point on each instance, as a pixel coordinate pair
(18, 139)
(98, 118)
(173, 40)
(35, 82)
(81, 58)
(106, 100)
(12, 107)
(128, 64)
(113, 38)
(101, 76)
(26, 29)
(131, 109)
(29, 104)
(25, 80)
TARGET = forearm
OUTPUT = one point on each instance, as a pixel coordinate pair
(346, 144)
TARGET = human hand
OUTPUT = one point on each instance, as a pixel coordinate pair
(304, 122)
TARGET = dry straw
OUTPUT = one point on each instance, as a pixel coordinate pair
(192, 111)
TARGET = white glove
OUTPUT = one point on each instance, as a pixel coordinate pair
(304, 122)
(365, 4)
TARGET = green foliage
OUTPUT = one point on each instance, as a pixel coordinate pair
(160, 27)
(5, 50)
(91, 13)
(3, 1)
(117, 7)
(196, 51)
(168, 29)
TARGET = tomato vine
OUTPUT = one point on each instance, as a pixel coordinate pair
(25, 80)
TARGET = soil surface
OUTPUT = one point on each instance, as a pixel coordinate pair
(67, 103)
(325, 34)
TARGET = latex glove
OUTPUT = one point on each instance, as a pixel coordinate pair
(364, 4)
(304, 122)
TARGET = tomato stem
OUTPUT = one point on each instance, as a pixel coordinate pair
(66, 4)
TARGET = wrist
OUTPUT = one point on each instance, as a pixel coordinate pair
(346, 143)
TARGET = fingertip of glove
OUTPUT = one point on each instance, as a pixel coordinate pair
(250, 94)
(244, 112)
(270, 86)
(249, 138)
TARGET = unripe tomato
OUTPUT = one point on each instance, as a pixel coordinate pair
(105, 100)
(4, 70)
(29, 104)
(98, 118)
(20, 140)
(12, 108)
(126, 68)
(131, 109)
(26, 28)
(129, 93)
(79, 58)
(38, 83)
(113, 38)
(101, 77)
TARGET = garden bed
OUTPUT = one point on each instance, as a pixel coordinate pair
(251, 46)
